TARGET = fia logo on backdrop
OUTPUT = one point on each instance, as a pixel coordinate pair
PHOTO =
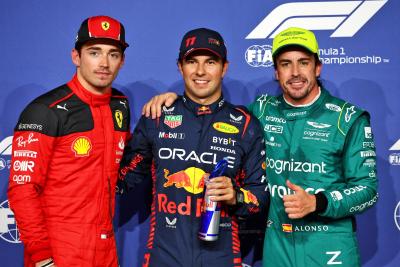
(394, 157)
(8, 227)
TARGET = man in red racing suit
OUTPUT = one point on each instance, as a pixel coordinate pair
(67, 147)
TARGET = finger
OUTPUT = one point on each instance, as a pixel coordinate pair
(290, 204)
(146, 108)
(153, 107)
(171, 97)
(159, 105)
(290, 198)
(293, 187)
(291, 211)
(296, 215)
(221, 195)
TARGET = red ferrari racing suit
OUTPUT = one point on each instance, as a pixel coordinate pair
(67, 147)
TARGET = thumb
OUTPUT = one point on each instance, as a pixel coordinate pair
(293, 187)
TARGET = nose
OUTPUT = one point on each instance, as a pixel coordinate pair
(200, 71)
(295, 70)
(104, 62)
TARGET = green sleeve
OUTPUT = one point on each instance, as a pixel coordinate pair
(359, 171)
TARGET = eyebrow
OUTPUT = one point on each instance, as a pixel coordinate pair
(112, 50)
(289, 60)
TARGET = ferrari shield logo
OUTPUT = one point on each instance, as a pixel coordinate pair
(119, 118)
(105, 25)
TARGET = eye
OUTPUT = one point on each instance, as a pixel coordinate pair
(190, 61)
(115, 55)
(94, 53)
(284, 64)
(304, 62)
(211, 62)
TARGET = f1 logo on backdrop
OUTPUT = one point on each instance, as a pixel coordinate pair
(8, 227)
(344, 17)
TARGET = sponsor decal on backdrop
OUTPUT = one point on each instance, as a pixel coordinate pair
(394, 157)
(344, 18)
(396, 215)
(5, 153)
(8, 227)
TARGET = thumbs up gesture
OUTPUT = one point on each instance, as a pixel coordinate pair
(299, 204)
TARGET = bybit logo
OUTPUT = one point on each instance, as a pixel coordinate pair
(346, 18)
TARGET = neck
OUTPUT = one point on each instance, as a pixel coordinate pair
(92, 89)
(204, 101)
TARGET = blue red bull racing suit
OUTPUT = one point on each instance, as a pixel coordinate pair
(178, 149)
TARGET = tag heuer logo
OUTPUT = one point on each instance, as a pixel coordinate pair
(173, 121)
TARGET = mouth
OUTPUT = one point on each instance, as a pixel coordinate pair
(102, 73)
(200, 82)
(297, 83)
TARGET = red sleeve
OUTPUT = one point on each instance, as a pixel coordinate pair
(31, 152)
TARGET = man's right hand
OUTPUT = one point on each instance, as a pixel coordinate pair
(153, 107)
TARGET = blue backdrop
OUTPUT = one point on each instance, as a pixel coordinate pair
(359, 48)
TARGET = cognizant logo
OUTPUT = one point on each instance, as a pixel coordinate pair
(346, 18)
(279, 166)
(282, 191)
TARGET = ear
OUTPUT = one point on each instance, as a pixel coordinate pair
(318, 69)
(180, 67)
(76, 59)
(122, 61)
(225, 68)
(276, 75)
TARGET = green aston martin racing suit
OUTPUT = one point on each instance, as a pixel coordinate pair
(327, 148)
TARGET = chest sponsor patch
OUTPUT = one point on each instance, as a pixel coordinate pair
(119, 118)
(225, 128)
(81, 146)
(173, 121)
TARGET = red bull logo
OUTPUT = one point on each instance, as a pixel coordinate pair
(169, 206)
(249, 197)
(191, 179)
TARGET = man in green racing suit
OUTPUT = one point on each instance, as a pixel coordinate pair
(320, 162)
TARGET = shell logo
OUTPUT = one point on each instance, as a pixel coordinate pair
(81, 146)
(225, 128)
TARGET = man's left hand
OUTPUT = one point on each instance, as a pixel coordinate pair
(221, 189)
(299, 204)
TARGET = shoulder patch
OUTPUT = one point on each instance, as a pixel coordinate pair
(348, 114)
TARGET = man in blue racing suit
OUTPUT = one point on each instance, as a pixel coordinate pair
(182, 147)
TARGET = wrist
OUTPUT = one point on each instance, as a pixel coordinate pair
(239, 197)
